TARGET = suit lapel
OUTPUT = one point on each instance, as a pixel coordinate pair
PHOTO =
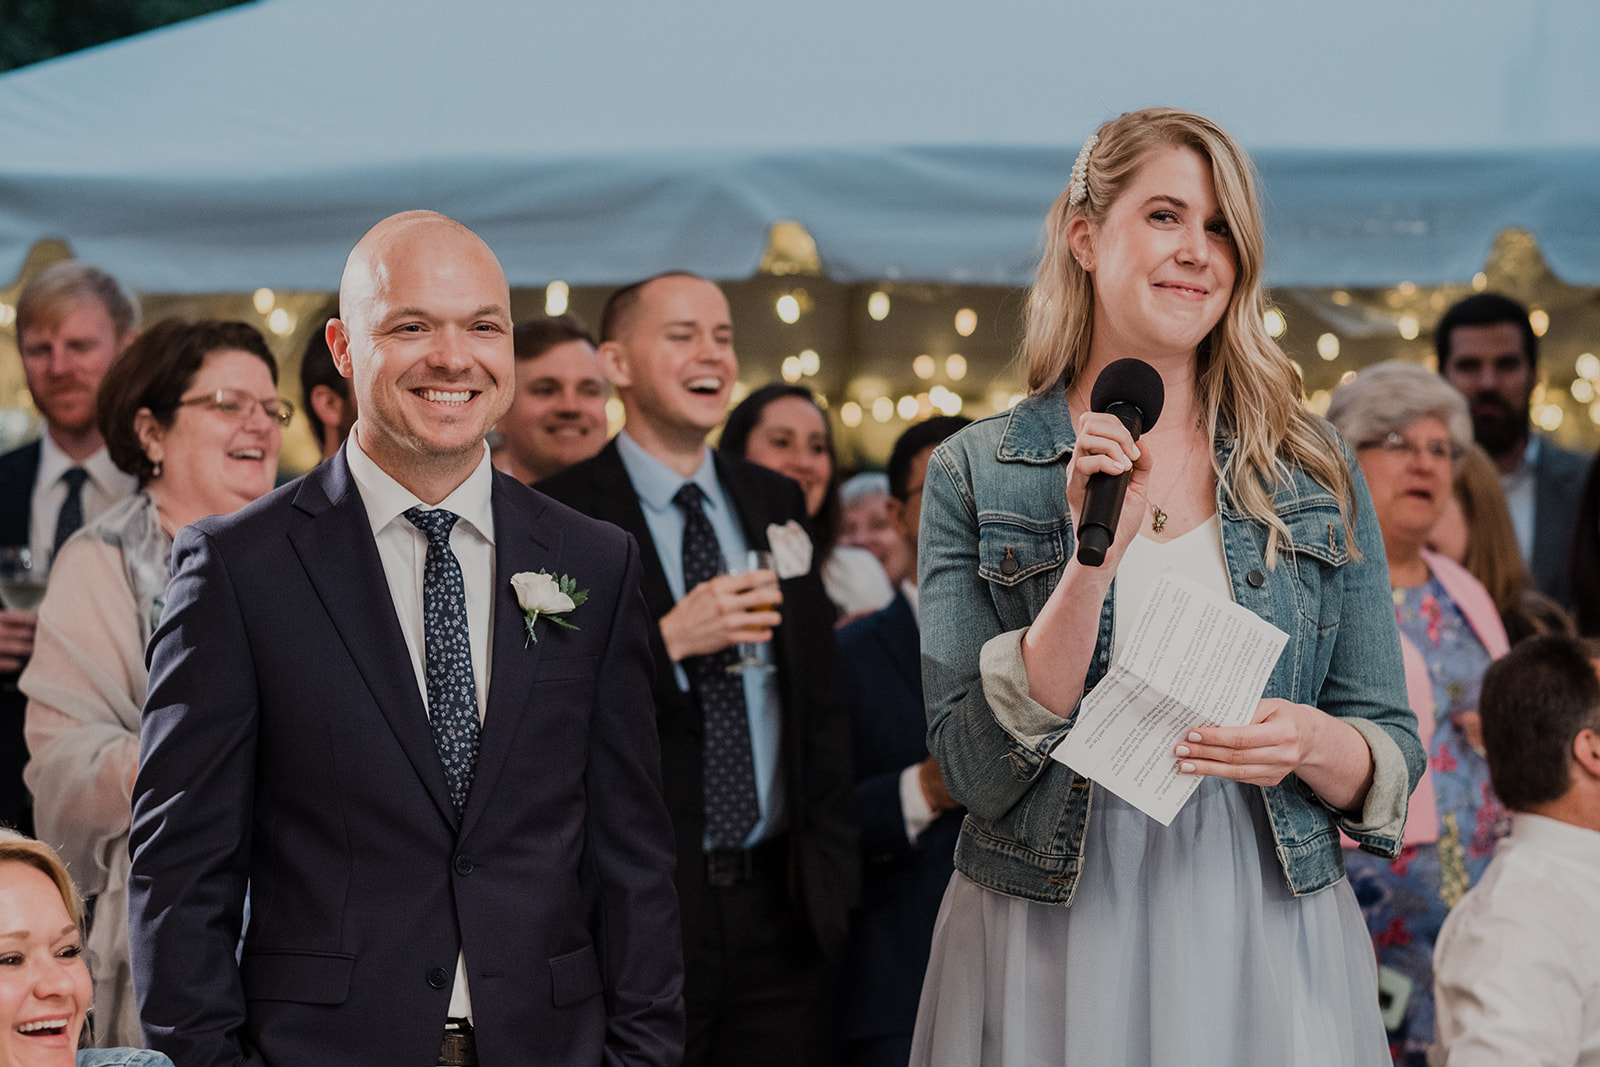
(616, 502)
(341, 560)
(520, 545)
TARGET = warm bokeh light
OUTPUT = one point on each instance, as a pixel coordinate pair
(280, 322)
(1275, 323)
(1539, 319)
(955, 365)
(1407, 288)
(966, 322)
(1589, 366)
(1582, 390)
(810, 362)
(923, 367)
(883, 409)
(1318, 401)
(850, 414)
(1409, 327)
(1340, 297)
(791, 369)
(788, 308)
(1347, 376)
(1549, 417)
(1328, 347)
(878, 306)
(8, 314)
(907, 407)
(264, 300)
(556, 297)
(1480, 282)
(614, 415)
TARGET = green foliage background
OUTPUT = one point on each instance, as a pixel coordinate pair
(35, 30)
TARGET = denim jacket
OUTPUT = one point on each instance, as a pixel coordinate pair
(995, 538)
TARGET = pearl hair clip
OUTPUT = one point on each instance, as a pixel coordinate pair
(1078, 186)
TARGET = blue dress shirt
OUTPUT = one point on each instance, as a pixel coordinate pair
(656, 484)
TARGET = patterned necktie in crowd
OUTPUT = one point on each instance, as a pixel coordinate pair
(452, 693)
(70, 518)
(731, 804)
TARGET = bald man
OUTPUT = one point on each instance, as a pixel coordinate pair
(444, 805)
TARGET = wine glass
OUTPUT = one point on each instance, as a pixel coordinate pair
(22, 578)
(752, 657)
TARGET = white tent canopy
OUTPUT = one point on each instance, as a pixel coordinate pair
(601, 141)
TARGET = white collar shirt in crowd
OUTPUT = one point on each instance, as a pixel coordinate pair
(1517, 966)
(403, 549)
(105, 486)
(1519, 490)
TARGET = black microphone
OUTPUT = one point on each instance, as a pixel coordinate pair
(1131, 390)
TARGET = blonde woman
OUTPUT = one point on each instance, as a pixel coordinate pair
(1077, 929)
(45, 992)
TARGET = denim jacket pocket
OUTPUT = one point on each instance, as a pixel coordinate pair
(1014, 549)
(1316, 550)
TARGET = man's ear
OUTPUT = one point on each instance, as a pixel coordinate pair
(125, 340)
(897, 515)
(614, 364)
(337, 334)
(1586, 752)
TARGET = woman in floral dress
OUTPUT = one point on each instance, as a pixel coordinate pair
(1409, 429)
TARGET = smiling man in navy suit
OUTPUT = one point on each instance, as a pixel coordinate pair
(446, 811)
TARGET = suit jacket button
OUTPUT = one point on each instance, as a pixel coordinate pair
(1256, 579)
(438, 977)
(463, 865)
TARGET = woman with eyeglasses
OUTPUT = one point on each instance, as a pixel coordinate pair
(1410, 429)
(192, 411)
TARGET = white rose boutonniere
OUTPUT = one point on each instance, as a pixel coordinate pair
(544, 596)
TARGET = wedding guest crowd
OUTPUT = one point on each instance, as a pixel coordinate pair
(192, 412)
(73, 321)
(363, 770)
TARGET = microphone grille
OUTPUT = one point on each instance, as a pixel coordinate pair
(1130, 381)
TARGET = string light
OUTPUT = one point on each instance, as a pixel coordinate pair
(955, 365)
(966, 322)
(556, 297)
(810, 362)
(1275, 323)
(878, 306)
(850, 414)
(1328, 347)
(923, 367)
(788, 308)
(264, 300)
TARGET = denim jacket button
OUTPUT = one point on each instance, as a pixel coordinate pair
(1256, 579)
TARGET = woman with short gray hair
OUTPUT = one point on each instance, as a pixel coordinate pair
(1409, 429)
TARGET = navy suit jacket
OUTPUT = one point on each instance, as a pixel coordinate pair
(1557, 488)
(815, 757)
(19, 469)
(880, 670)
(285, 746)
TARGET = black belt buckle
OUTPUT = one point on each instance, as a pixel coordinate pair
(728, 867)
(458, 1049)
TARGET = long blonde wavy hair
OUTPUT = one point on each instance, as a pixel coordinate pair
(1247, 386)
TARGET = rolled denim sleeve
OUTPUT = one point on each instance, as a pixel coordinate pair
(1005, 686)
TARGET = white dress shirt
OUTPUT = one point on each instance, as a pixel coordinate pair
(1519, 490)
(105, 486)
(403, 549)
(1516, 970)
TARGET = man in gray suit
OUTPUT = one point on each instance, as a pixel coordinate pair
(1488, 350)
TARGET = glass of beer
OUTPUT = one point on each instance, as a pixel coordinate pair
(753, 657)
(22, 578)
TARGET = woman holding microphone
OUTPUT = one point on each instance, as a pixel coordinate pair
(1077, 929)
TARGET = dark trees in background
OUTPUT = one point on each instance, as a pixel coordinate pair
(34, 30)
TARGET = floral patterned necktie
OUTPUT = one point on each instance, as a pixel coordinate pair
(452, 693)
(728, 769)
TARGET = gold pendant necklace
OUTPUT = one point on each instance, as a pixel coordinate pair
(1158, 519)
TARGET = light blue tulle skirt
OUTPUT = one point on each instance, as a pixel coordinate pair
(1183, 946)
